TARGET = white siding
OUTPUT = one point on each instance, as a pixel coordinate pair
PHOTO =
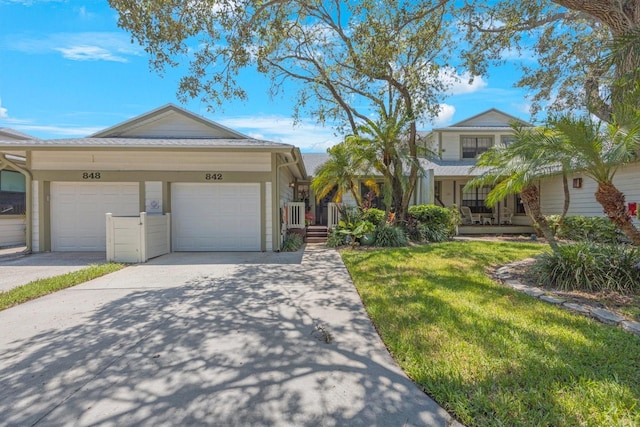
(286, 192)
(165, 161)
(12, 230)
(583, 201)
(174, 125)
(451, 142)
(489, 119)
(269, 216)
(153, 197)
(157, 235)
(35, 218)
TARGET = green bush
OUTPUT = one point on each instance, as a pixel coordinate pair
(591, 267)
(434, 233)
(292, 242)
(335, 239)
(373, 215)
(583, 228)
(434, 223)
(430, 214)
(391, 236)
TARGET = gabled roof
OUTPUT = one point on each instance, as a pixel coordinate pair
(169, 121)
(492, 119)
(8, 133)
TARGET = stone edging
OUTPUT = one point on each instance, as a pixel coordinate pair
(605, 316)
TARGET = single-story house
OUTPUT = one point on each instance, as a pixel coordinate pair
(224, 191)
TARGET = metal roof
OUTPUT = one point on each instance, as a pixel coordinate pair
(247, 143)
(451, 167)
(440, 168)
(313, 160)
(14, 134)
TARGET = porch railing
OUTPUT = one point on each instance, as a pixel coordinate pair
(295, 215)
(333, 214)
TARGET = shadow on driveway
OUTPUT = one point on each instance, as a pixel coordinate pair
(235, 349)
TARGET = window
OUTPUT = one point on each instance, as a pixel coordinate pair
(518, 205)
(475, 198)
(437, 189)
(473, 146)
(506, 140)
(12, 193)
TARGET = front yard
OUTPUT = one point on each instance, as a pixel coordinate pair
(490, 355)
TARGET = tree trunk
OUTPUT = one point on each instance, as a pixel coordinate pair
(614, 205)
(531, 199)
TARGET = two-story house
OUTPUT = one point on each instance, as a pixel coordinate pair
(456, 149)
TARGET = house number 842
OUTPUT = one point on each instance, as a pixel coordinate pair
(213, 176)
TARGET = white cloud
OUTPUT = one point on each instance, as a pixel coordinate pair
(96, 46)
(445, 115)
(523, 107)
(306, 134)
(89, 53)
(4, 113)
(461, 83)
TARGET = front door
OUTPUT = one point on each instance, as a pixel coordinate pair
(322, 208)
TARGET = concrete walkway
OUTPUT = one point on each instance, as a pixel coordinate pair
(18, 269)
(206, 339)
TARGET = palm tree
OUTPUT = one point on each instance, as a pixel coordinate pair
(518, 168)
(340, 171)
(382, 147)
(598, 150)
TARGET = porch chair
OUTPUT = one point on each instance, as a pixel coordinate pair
(468, 217)
(506, 216)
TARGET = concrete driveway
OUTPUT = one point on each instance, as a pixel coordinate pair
(245, 339)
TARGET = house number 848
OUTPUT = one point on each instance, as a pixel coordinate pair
(91, 175)
(213, 176)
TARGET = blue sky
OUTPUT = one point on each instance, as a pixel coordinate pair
(67, 70)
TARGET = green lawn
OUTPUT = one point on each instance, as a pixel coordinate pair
(41, 287)
(489, 355)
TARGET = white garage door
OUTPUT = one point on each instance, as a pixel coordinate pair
(215, 217)
(78, 212)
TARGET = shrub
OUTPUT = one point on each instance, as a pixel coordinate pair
(292, 242)
(582, 228)
(335, 239)
(591, 267)
(391, 236)
(434, 223)
(373, 215)
(434, 233)
(430, 213)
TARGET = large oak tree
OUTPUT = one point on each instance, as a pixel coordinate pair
(573, 46)
(342, 61)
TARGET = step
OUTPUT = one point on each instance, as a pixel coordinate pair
(314, 239)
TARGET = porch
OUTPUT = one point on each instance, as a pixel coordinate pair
(312, 232)
(477, 229)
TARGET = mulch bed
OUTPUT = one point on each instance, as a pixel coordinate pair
(609, 300)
